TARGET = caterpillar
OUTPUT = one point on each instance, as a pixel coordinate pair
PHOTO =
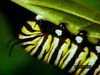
(56, 45)
(64, 45)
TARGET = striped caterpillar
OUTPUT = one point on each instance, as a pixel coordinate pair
(55, 45)
(68, 49)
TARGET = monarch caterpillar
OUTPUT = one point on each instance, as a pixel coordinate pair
(55, 45)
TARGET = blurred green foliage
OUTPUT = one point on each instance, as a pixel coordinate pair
(92, 4)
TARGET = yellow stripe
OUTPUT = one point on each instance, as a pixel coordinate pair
(87, 62)
(81, 58)
(72, 49)
(30, 47)
(47, 56)
(62, 51)
(34, 42)
(97, 70)
(25, 31)
(34, 25)
(36, 48)
(30, 36)
(71, 52)
(68, 41)
(53, 47)
(46, 47)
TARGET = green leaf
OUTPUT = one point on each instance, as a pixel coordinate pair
(76, 14)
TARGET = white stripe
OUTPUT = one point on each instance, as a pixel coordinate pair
(39, 43)
(45, 44)
(54, 45)
(76, 62)
(92, 62)
(70, 56)
(97, 70)
(34, 41)
(30, 36)
(59, 54)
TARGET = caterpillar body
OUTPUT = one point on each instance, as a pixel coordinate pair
(55, 45)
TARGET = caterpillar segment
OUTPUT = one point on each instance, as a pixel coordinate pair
(55, 45)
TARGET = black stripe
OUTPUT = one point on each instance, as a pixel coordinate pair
(26, 45)
(48, 50)
(54, 56)
(94, 67)
(40, 47)
(72, 61)
(68, 54)
(29, 28)
(30, 38)
(25, 34)
(88, 56)
(31, 50)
